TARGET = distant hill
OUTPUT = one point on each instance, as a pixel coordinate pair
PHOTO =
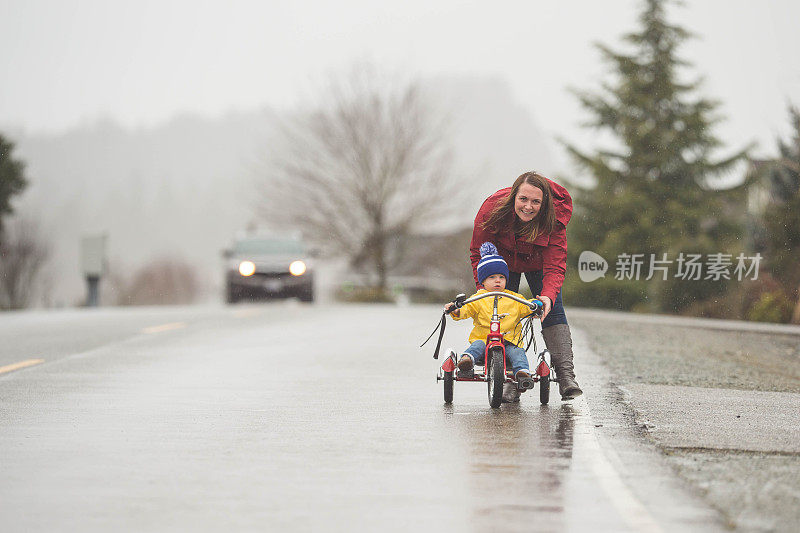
(182, 189)
(496, 139)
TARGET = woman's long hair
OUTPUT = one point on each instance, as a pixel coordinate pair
(503, 213)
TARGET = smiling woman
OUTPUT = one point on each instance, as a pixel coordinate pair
(527, 223)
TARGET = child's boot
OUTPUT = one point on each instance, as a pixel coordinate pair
(465, 366)
(524, 379)
(559, 342)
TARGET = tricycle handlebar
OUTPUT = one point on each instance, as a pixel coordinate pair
(536, 305)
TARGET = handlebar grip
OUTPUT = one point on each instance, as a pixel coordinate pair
(537, 305)
(458, 301)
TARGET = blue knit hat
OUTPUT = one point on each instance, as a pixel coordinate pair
(491, 262)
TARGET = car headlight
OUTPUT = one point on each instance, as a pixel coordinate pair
(247, 268)
(297, 268)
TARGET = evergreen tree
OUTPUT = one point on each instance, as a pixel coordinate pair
(782, 216)
(12, 179)
(654, 194)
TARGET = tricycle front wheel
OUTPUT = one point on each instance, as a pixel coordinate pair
(497, 376)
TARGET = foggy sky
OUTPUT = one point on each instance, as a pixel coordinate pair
(66, 63)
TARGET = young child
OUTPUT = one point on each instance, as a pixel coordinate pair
(493, 274)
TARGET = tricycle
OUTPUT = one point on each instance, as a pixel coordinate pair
(495, 371)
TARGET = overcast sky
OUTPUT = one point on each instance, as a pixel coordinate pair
(141, 62)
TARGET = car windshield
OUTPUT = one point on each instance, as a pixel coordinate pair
(269, 247)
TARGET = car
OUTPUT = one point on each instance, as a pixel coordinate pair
(268, 267)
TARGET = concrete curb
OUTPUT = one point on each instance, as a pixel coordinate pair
(688, 322)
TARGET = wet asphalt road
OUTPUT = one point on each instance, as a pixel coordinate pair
(300, 418)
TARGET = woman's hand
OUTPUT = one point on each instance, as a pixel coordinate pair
(547, 305)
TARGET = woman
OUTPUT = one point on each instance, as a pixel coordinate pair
(527, 223)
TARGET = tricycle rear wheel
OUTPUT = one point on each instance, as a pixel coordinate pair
(544, 389)
(497, 376)
(448, 387)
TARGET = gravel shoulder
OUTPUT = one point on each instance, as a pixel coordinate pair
(721, 403)
(675, 353)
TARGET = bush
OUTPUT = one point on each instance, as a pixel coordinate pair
(736, 302)
(429, 296)
(771, 307)
(164, 281)
(350, 293)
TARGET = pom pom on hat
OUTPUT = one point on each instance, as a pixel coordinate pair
(488, 248)
(491, 262)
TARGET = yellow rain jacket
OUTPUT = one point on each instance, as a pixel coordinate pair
(481, 314)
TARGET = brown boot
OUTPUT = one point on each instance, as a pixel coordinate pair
(559, 343)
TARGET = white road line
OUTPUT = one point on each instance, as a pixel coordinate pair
(630, 509)
(164, 327)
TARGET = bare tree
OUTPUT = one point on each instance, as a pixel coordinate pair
(362, 171)
(23, 252)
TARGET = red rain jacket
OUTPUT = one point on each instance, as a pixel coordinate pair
(547, 253)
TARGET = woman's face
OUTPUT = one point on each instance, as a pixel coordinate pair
(528, 202)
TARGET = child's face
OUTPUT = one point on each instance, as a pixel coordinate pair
(495, 282)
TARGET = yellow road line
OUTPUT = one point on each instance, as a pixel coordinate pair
(21, 364)
(164, 327)
(246, 313)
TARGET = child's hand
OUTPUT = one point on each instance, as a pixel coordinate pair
(449, 306)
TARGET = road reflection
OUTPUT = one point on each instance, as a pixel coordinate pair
(517, 462)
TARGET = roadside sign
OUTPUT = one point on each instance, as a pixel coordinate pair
(93, 255)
